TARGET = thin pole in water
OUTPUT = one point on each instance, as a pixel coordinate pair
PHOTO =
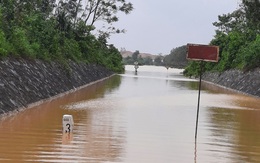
(198, 108)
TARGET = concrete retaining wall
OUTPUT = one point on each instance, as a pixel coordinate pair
(245, 82)
(23, 82)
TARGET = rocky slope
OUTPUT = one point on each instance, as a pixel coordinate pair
(245, 82)
(23, 82)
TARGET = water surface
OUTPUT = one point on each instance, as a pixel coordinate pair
(145, 117)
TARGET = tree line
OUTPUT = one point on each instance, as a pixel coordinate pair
(61, 30)
(238, 37)
(136, 57)
(177, 57)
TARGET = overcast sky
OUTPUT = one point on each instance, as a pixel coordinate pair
(158, 26)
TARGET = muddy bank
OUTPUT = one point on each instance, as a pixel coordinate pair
(23, 82)
(245, 82)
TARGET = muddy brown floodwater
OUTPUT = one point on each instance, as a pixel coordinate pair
(137, 118)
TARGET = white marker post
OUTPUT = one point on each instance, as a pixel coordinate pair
(67, 123)
(136, 66)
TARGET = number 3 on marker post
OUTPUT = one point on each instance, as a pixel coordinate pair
(67, 123)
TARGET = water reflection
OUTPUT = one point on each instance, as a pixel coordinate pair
(67, 138)
(239, 129)
(195, 151)
(191, 85)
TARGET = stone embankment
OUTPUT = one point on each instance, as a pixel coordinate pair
(23, 82)
(245, 82)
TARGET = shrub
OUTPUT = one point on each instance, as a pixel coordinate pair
(21, 44)
(4, 45)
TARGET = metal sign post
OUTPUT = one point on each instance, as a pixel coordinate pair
(202, 53)
(198, 107)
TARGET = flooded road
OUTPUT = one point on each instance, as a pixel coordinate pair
(137, 118)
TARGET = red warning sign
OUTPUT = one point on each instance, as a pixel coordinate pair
(203, 52)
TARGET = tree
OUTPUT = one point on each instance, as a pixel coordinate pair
(246, 19)
(177, 57)
(92, 11)
(148, 61)
(237, 36)
(105, 10)
(231, 21)
(252, 14)
(135, 55)
(158, 61)
(249, 55)
(140, 60)
(60, 30)
(128, 60)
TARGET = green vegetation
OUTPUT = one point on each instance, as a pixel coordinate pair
(130, 60)
(136, 57)
(177, 57)
(158, 61)
(238, 37)
(61, 31)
